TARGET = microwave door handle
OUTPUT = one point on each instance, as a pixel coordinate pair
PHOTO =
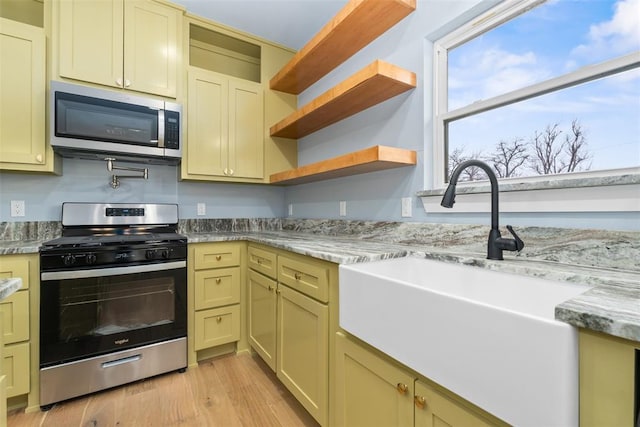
(160, 129)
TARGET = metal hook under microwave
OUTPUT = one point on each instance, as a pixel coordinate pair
(90, 123)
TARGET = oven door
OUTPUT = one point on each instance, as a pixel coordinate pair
(86, 313)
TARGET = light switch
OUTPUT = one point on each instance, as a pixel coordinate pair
(343, 208)
(202, 209)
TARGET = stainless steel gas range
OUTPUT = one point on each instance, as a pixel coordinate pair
(113, 298)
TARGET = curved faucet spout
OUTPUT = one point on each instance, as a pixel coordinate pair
(496, 243)
(450, 194)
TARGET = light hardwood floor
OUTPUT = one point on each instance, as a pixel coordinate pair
(225, 391)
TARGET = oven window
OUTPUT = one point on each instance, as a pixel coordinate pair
(96, 309)
(85, 317)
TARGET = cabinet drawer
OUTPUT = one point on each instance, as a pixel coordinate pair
(217, 326)
(214, 288)
(15, 317)
(305, 276)
(15, 266)
(16, 368)
(216, 256)
(263, 261)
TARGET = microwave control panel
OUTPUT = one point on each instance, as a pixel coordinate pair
(172, 129)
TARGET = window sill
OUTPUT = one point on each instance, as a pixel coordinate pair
(607, 193)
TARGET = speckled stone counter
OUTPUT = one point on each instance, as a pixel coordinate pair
(609, 261)
(9, 286)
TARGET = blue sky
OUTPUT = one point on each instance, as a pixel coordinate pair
(555, 38)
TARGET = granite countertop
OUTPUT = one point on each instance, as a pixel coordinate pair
(9, 286)
(612, 306)
(607, 260)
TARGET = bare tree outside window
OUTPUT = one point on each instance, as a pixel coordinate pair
(575, 149)
(509, 157)
(543, 154)
(546, 151)
(472, 173)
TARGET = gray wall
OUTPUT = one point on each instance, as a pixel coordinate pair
(88, 181)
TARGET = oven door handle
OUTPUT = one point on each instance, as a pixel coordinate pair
(115, 271)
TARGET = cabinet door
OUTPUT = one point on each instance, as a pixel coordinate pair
(151, 48)
(3, 399)
(246, 129)
(214, 288)
(207, 124)
(91, 40)
(434, 409)
(303, 350)
(607, 380)
(16, 368)
(369, 390)
(22, 98)
(3, 383)
(262, 317)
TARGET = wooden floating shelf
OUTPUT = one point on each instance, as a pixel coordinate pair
(372, 85)
(371, 159)
(354, 27)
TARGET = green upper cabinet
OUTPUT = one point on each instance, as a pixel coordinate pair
(134, 45)
(230, 106)
(22, 99)
(225, 127)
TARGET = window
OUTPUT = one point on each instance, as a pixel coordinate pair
(541, 88)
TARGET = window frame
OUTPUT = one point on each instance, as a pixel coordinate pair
(492, 18)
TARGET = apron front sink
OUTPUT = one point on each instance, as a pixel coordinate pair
(488, 336)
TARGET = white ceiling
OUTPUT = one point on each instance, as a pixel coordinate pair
(291, 23)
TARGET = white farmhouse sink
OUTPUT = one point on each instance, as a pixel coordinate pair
(488, 336)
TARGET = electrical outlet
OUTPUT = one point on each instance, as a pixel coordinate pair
(290, 209)
(17, 208)
(343, 208)
(406, 207)
(202, 209)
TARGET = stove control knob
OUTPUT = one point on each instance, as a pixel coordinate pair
(69, 259)
(150, 254)
(91, 258)
(164, 253)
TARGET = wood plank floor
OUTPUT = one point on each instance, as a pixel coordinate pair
(225, 391)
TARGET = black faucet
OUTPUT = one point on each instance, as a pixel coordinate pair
(496, 243)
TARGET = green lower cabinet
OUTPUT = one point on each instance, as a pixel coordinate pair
(369, 390)
(607, 380)
(434, 409)
(303, 350)
(289, 322)
(373, 390)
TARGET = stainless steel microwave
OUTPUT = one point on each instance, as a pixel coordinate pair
(93, 123)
